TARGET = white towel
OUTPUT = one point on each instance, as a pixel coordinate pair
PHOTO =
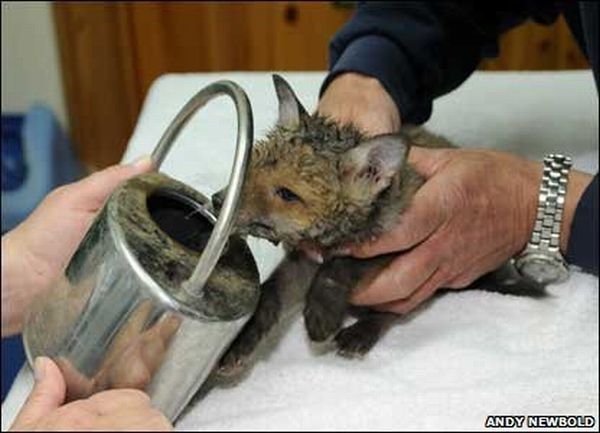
(461, 357)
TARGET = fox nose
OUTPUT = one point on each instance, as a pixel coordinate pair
(217, 200)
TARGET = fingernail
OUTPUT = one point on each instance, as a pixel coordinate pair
(317, 257)
(142, 161)
(39, 367)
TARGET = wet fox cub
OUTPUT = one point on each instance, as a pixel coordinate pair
(314, 183)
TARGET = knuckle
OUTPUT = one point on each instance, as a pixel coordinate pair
(444, 276)
(398, 283)
(60, 193)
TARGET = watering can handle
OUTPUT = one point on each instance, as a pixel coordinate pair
(224, 225)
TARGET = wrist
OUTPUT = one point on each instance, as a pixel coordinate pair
(358, 81)
(541, 260)
(10, 274)
(531, 180)
(19, 285)
(576, 186)
(558, 195)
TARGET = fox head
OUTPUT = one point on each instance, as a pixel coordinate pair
(311, 180)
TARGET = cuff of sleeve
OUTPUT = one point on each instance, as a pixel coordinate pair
(583, 241)
(378, 57)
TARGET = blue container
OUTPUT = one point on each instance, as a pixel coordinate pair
(36, 158)
(14, 169)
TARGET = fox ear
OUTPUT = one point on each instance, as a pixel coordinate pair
(370, 167)
(290, 108)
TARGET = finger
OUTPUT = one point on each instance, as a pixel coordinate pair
(399, 279)
(48, 392)
(168, 326)
(420, 295)
(139, 318)
(421, 219)
(79, 384)
(96, 188)
(130, 370)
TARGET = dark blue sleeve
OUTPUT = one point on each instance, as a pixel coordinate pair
(583, 241)
(421, 50)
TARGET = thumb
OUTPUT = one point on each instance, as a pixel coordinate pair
(47, 395)
(96, 188)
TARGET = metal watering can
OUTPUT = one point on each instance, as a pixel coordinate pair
(157, 289)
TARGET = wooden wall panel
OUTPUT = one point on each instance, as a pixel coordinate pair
(303, 32)
(99, 76)
(184, 37)
(113, 51)
(218, 36)
(532, 46)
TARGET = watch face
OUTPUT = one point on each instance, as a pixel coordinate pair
(543, 269)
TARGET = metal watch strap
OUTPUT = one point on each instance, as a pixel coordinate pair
(546, 231)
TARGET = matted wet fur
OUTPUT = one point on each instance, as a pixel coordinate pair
(316, 185)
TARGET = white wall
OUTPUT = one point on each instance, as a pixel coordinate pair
(30, 59)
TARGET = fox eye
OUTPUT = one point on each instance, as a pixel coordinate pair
(287, 195)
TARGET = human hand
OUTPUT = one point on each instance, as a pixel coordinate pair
(362, 101)
(135, 354)
(122, 409)
(37, 250)
(476, 209)
(137, 351)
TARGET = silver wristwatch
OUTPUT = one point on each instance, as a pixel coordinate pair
(541, 260)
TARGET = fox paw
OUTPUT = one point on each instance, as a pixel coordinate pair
(232, 364)
(237, 357)
(319, 322)
(355, 341)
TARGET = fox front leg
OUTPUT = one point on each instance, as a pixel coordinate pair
(281, 294)
(357, 339)
(326, 300)
(327, 305)
(265, 316)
